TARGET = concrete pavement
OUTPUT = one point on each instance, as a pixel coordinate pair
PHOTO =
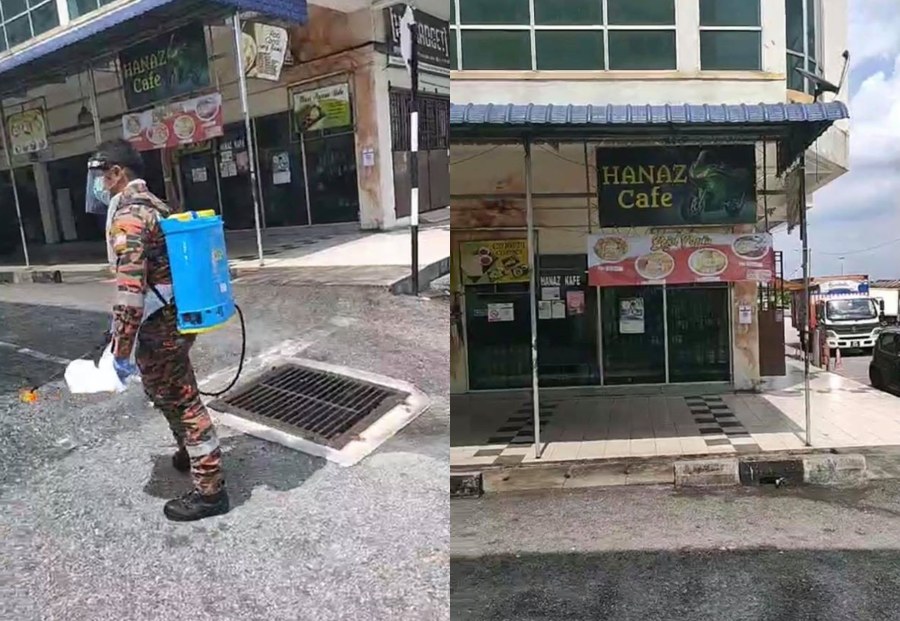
(638, 553)
(83, 480)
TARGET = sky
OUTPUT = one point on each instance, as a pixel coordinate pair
(857, 216)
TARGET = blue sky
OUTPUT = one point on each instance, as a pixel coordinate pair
(857, 216)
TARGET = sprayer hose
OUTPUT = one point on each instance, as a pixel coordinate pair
(240, 363)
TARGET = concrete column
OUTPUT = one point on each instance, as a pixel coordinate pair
(687, 24)
(45, 200)
(373, 134)
(66, 215)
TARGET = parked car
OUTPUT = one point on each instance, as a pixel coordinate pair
(884, 369)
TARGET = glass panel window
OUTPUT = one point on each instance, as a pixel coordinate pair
(44, 18)
(494, 12)
(641, 49)
(18, 31)
(568, 49)
(496, 49)
(730, 50)
(802, 26)
(11, 8)
(77, 8)
(570, 12)
(794, 25)
(811, 28)
(641, 12)
(2, 39)
(795, 81)
(454, 64)
(729, 12)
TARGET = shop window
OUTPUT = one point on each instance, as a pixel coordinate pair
(434, 121)
(803, 42)
(637, 49)
(550, 35)
(730, 35)
(567, 49)
(21, 20)
(77, 8)
(644, 13)
(496, 49)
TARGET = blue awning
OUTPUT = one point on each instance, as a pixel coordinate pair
(794, 126)
(102, 35)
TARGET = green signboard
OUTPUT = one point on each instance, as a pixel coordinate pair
(165, 67)
(677, 186)
(324, 108)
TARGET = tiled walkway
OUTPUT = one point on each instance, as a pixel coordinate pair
(497, 430)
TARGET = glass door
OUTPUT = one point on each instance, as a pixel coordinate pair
(699, 343)
(498, 335)
(633, 326)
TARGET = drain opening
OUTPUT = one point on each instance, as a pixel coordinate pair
(320, 406)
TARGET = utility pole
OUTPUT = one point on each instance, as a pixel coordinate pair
(409, 50)
(804, 237)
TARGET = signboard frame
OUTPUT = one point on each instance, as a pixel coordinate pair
(432, 33)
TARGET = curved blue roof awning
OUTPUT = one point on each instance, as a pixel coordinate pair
(794, 126)
(101, 35)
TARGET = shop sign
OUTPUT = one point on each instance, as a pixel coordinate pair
(679, 257)
(27, 132)
(264, 49)
(165, 67)
(560, 295)
(677, 186)
(434, 36)
(322, 108)
(494, 262)
(179, 123)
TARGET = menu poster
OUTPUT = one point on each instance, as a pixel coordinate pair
(494, 261)
(631, 316)
(575, 302)
(679, 258)
(179, 123)
(545, 309)
(264, 48)
(322, 108)
(27, 132)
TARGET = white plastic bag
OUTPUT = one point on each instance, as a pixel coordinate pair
(83, 376)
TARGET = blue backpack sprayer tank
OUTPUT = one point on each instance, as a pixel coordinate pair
(201, 279)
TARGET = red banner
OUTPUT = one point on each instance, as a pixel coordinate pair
(183, 122)
(678, 257)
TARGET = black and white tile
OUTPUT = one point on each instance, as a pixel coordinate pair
(719, 425)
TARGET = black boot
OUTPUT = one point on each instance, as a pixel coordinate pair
(181, 461)
(195, 506)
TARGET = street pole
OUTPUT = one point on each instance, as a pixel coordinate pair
(12, 179)
(532, 297)
(804, 237)
(414, 154)
(95, 108)
(248, 129)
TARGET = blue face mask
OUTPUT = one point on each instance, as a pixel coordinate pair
(100, 192)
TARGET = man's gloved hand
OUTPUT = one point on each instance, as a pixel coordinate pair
(124, 368)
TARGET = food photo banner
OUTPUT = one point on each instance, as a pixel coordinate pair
(494, 262)
(677, 186)
(180, 123)
(679, 258)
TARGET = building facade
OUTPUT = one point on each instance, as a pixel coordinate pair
(342, 64)
(594, 326)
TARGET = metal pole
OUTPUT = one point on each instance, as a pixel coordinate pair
(414, 156)
(804, 237)
(305, 179)
(532, 287)
(12, 179)
(95, 108)
(248, 129)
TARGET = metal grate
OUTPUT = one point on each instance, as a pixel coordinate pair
(320, 406)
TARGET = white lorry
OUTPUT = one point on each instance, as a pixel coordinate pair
(888, 299)
(845, 310)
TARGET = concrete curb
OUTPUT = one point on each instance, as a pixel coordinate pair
(28, 276)
(427, 275)
(828, 469)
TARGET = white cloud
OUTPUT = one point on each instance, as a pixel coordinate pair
(861, 210)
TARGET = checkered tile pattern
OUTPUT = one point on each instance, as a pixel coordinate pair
(719, 426)
(516, 432)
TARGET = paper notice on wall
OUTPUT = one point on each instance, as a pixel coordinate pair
(281, 168)
(575, 302)
(559, 309)
(242, 159)
(501, 312)
(228, 169)
(199, 175)
(549, 293)
(545, 309)
(631, 316)
(745, 314)
(368, 157)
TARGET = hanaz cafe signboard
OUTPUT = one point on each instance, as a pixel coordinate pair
(677, 186)
(165, 67)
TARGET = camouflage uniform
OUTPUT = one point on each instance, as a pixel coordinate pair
(162, 353)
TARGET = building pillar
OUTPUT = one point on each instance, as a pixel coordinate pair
(746, 337)
(45, 201)
(374, 156)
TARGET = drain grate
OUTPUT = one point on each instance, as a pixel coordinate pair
(321, 406)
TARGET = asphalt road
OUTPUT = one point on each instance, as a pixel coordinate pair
(638, 553)
(83, 479)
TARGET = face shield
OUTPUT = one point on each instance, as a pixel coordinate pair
(96, 196)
